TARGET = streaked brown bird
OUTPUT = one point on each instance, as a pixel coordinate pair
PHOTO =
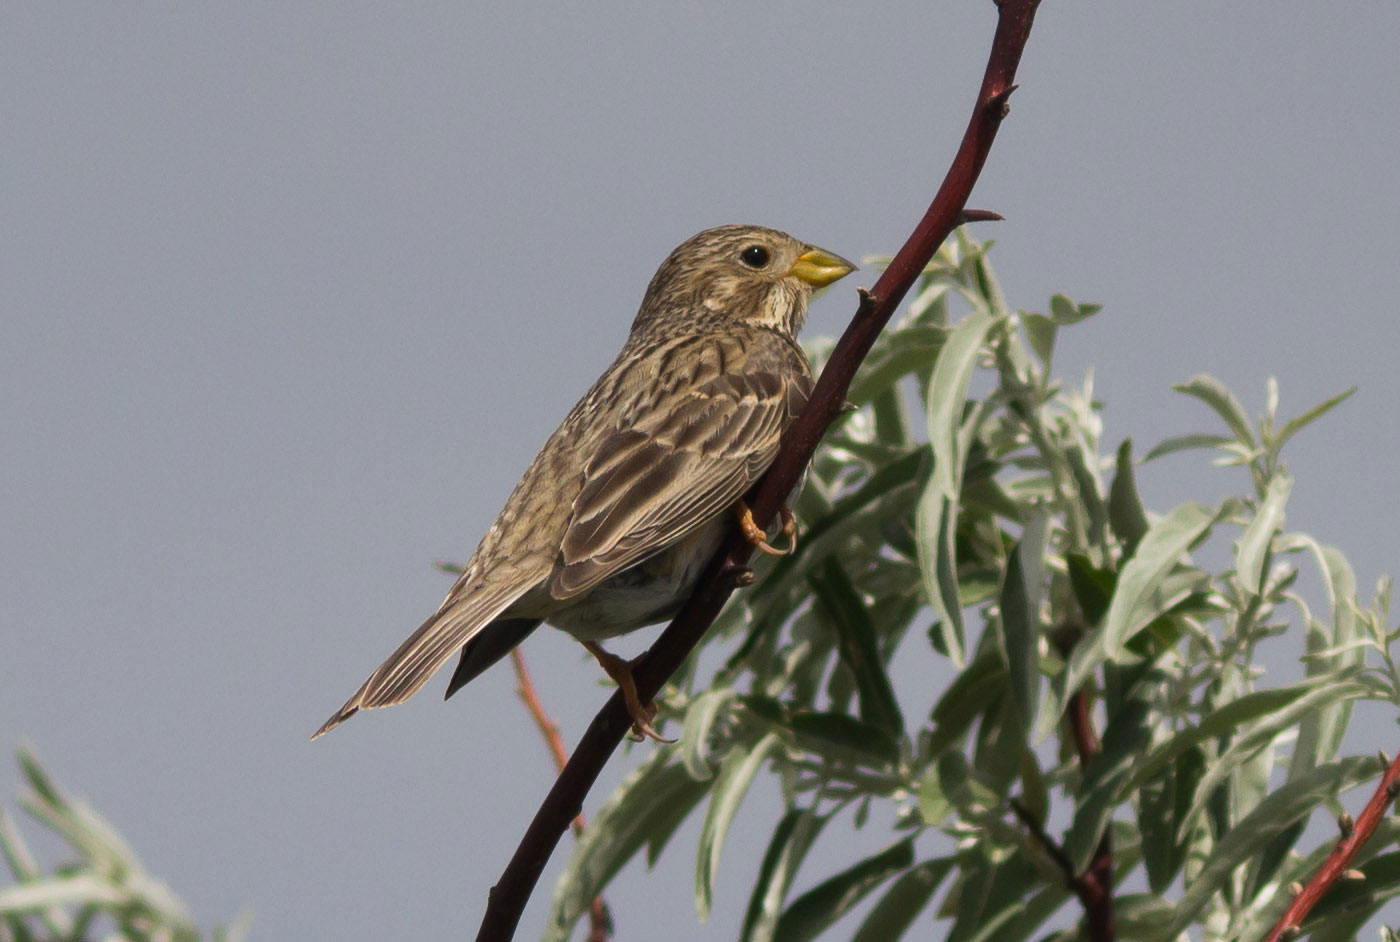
(618, 514)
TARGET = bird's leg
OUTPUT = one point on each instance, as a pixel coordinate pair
(757, 538)
(620, 670)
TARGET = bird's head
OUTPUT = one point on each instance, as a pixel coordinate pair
(746, 274)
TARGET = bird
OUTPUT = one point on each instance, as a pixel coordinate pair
(614, 520)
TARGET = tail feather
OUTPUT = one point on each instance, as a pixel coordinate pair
(491, 644)
(460, 618)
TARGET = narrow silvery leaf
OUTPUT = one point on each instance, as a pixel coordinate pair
(1253, 551)
(1191, 442)
(1261, 735)
(700, 717)
(1320, 735)
(858, 646)
(1271, 816)
(1217, 395)
(907, 896)
(812, 912)
(1297, 423)
(791, 839)
(736, 772)
(946, 393)
(60, 891)
(647, 799)
(1021, 592)
(1135, 601)
(935, 523)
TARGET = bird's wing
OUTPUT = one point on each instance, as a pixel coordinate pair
(474, 601)
(670, 471)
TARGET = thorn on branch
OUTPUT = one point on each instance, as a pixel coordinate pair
(999, 104)
(979, 215)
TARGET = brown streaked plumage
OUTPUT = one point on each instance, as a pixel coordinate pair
(614, 519)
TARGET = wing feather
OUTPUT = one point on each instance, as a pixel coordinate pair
(670, 473)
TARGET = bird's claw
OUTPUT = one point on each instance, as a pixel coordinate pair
(758, 539)
(620, 670)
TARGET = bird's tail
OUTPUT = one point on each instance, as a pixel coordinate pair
(462, 615)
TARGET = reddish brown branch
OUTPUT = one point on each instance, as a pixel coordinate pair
(1338, 862)
(509, 895)
(1094, 887)
(599, 918)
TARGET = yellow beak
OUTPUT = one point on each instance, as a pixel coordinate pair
(820, 268)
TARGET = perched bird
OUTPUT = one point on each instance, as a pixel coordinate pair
(615, 519)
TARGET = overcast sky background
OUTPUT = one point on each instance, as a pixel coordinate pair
(293, 292)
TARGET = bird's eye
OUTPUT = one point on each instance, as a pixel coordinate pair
(755, 256)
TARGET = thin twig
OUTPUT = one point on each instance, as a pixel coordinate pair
(509, 895)
(600, 924)
(1338, 862)
(1047, 843)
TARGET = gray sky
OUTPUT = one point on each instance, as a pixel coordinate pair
(292, 293)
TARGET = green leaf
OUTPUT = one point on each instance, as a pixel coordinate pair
(1296, 424)
(907, 896)
(736, 772)
(1170, 446)
(1320, 735)
(1125, 514)
(80, 889)
(649, 801)
(1162, 805)
(1065, 312)
(972, 691)
(1261, 735)
(700, 718)
(812, 912)
(791, 840)
(946, 393)
(908, 349)
(858, 647)
(844, 739)
(936, 520)
(937, 564)
(1270, 817)
(1253, 552)
(1040, 333)
(1217, 395)
(1124, 741)
(1223, 722)
(989, 902)
(1093, 587)
(888, 494)
(1022, 589)
(1135, 600)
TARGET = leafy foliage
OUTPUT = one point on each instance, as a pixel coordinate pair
(104, 893)
(1001, 545)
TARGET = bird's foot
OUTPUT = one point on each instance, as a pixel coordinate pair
(620, 670)
(758, 539)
